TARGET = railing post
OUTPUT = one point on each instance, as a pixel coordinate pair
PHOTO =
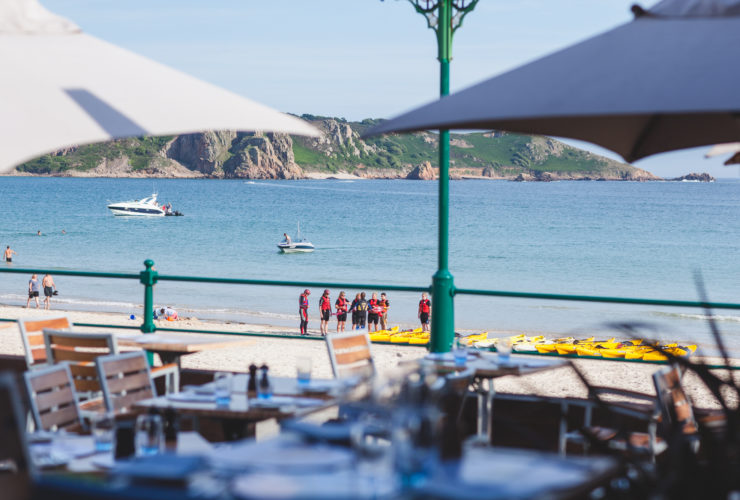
(148, 278)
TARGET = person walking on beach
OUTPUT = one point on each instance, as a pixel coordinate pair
(425, 307)
(373, 313)
(384, 303)
(303, 310)
(325, 311)
(341, 306)
(8, 254)
(361, 312)
(33, 290)
(49, 286)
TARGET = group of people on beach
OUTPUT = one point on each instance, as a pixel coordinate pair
(34, 288)
(371, 313)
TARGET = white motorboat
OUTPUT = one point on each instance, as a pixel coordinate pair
(146, 207)
(298, 245)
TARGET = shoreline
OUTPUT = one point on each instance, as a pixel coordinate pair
(280, 354)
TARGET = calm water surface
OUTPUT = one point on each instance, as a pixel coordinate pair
(600, 238)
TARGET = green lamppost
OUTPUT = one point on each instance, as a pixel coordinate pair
(444, 17)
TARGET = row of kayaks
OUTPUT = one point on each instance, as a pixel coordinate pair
(611, 348)
(590, 347)
(397, 336)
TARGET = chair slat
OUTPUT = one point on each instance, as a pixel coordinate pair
(62, 418)
(126, 401)
(79, 341)
(129, 382)
(39, 325)
(67, 354)
(353, 356)
(35, 339)
(52, 399)
(39, 355)
(348, 342)
(87, 385)
(86, 370)
(45, 381)
(125, 365)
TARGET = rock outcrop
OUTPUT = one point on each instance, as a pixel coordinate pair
(694, 177)
(423, 172)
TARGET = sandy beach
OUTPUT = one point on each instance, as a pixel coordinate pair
(280, 355)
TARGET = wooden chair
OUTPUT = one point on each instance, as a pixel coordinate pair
(350, 354)
(33, 338)
(51, 392)
(80, 350)
(125, 379)
(15, 465)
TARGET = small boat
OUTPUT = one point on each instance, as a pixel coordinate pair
(298, 245)
(146, 207)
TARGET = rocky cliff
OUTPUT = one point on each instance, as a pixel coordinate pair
(339, 150)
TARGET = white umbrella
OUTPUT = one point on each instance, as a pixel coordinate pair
(721, 149)
(664, 81)
(60, 87)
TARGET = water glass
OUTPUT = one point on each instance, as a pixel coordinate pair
(149, 435)
(222, 381)
(503, 347)
(103, 431)
(303, 371)
(460, 352)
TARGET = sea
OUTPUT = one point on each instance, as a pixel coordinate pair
(654, 240)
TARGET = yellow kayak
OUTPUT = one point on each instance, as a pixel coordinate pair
(565, 349)
(587, 351)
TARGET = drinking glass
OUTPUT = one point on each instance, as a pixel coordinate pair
(503, 347)
(222, 381)
(149, 435)
(103, 431)
(303, 371)
(460, 352)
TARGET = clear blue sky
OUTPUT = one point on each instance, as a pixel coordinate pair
(353, 58)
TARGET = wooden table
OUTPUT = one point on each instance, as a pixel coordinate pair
(488, 367)
(239, 417)
(171, 348)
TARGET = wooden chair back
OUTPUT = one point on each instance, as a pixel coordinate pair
(80, 350)
(350, 354)
(125, 379)
(33, 338)
(675, 406)
(53, 399)
(15, 464)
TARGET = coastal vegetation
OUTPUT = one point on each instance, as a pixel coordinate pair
(340, 149)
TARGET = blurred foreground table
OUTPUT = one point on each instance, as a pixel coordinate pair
(171, 348)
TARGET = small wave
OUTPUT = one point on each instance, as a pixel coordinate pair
(700, 317)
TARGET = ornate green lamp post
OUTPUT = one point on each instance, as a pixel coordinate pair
(444, 17)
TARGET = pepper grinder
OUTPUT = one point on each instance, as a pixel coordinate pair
(252, 381)
(264, 390)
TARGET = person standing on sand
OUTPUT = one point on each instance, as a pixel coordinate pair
(361, 312)
(353, 310)
(373, 313)
(325, 311)
(33, 290)
(341, 306)
(8, 254)
(49, 286)
(425, 307)
(303, 310)
(385, 304)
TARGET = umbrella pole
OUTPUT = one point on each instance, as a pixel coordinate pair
(443, 310)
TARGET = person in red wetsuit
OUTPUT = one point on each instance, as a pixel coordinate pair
(341, 306)
(325, 311)
(303, 310)
(425, 307)
(374, 310)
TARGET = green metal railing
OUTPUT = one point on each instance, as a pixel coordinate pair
(150, 277)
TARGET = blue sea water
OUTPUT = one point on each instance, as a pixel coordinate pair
(598, 238)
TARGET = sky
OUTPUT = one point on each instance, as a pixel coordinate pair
(355, 58)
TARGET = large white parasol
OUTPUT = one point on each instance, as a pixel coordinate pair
(662, 82)
(60, 87)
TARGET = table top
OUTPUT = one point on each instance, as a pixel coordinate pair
(488, 365)
(166, 342)
(289, 400)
